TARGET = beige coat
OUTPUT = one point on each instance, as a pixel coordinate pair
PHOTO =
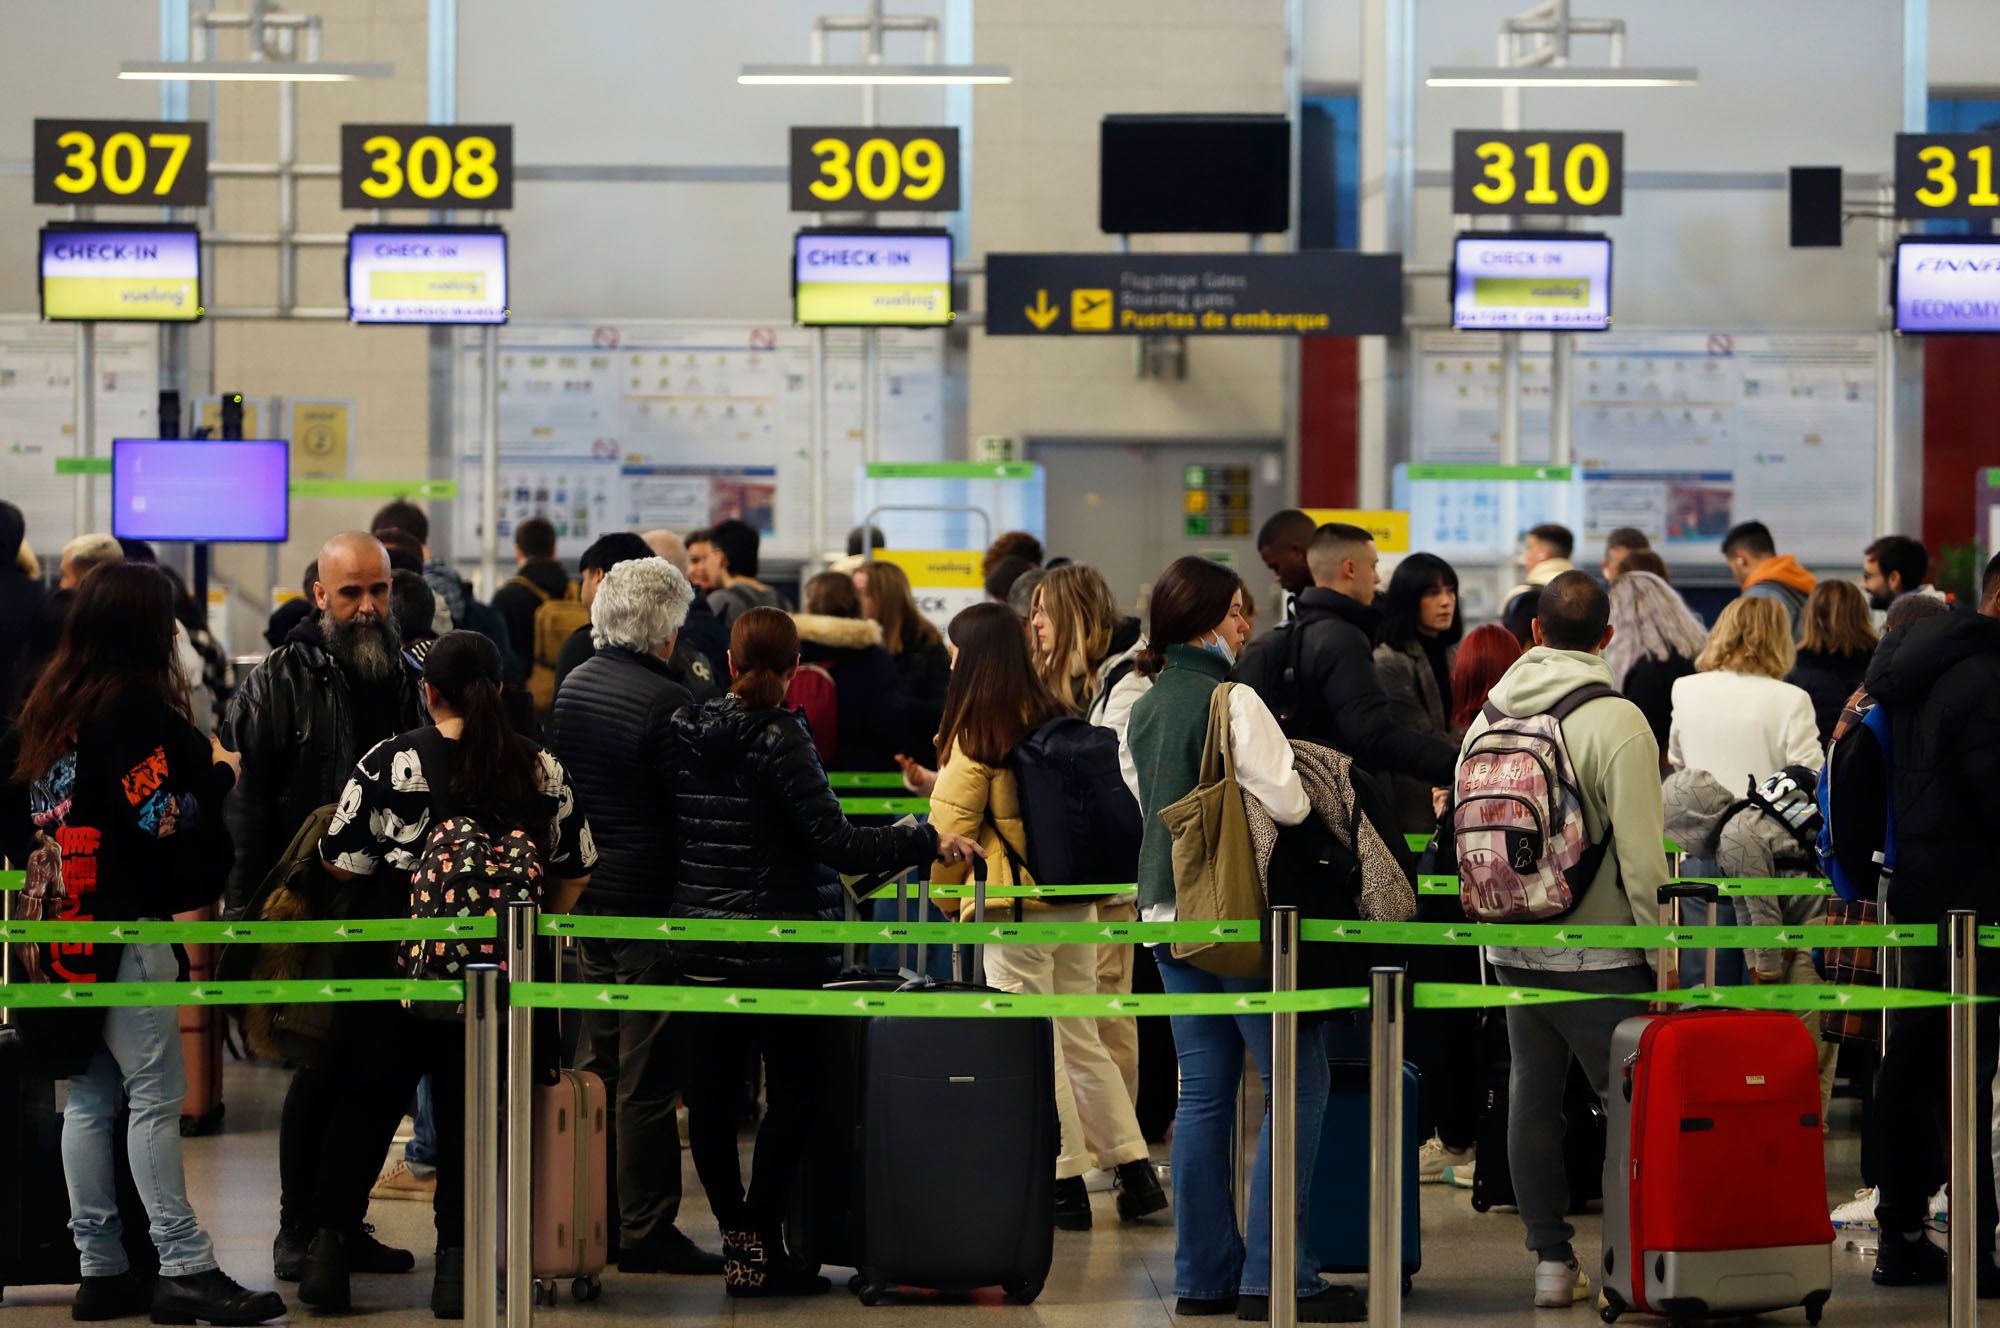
(966, 790)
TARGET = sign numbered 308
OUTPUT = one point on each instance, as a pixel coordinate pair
(426, 166)
(1532, 173)
(874, 170)
(1946, 175)
(147, 162)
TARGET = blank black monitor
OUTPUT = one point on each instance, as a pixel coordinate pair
(1227, 174)
(1816, 207)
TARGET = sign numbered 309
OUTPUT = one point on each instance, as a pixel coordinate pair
(1946, 175)
(1531, 173)
(149, 162)
(426, 166)
(874, 170)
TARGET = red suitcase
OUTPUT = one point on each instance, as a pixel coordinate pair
(201, 1040)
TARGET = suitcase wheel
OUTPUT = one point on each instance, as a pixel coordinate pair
(1480, 1205)
(1023, 1293)
(1406, 1284)
(545, 1293)
(583, 1289)
(872, 1293)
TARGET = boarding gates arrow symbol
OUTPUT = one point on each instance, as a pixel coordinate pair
(1041, 313)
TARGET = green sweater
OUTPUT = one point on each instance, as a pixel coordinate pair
(1169, 726)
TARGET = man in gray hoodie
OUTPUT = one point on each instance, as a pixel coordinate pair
(1617, 766)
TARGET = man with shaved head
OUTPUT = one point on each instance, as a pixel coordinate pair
(337, 685)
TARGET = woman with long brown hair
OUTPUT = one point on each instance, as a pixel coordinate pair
(1834, 650)
(917, 647)
(756, 820)
(115, 805)
(994, 701)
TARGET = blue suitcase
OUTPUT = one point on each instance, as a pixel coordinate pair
(1337, 1210)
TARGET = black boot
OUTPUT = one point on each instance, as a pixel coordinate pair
(448, 1284)
(1139, 1191)
(365, 1254)
(212, 1297)
(1902, 1261)
(1073, 1204)
(674, 1253)
(288, 1253)
(118, 1296)
(325, 1285)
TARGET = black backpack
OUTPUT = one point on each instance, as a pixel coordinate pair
(1083, 822)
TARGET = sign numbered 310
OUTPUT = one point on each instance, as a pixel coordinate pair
(1523, 173)
(426, 166)
(150, 162)
(1946, 175)
(874, 170)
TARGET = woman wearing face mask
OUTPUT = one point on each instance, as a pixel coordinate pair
(1414, 650)
(1197, 631)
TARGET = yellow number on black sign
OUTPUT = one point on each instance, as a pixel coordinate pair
(122, 165)
(878, 170)
(1499, 159)
(433, 168)
(81, 160)
(476, 175)
(1944, 182)
(1600, 174)
(385, 177)
(923, 162)
(176, 146)
(836, 180)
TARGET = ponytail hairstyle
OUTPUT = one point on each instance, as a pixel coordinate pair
(763, 651)
(1189, 600)
(499, 772)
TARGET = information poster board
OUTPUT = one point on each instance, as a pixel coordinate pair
(1681, 434)
(636, 424)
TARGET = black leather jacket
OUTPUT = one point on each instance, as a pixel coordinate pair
(756, 819)
(293, 722)
(610, 728)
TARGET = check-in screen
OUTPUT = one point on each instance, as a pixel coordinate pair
(1551, 283)
(872, 279)
(143, 274)
(1947, 286)
(442, 275)
(200, 489)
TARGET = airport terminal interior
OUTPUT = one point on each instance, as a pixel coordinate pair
(614, 620)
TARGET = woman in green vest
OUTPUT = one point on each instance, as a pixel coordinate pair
(1197, 631)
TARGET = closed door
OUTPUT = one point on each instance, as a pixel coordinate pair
(1131, 507)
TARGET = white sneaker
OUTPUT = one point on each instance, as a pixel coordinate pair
(1435, 1162)
(1096, 1181)
(1558, 1285)
(1941, 1208)
(1856, 1212)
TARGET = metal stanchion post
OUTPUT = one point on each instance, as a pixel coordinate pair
(1963, 933)
(1284, 1122)
(522, 916)
(1385, 1148)
(482, 1141)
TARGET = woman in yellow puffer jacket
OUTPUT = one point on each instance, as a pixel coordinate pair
(994, 701)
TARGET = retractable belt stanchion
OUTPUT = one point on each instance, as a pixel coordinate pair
(1963, 936)
(1385, 1147)
(1284, 1122)
(482, 1141)
(522, 916)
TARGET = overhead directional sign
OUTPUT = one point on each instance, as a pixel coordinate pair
(1318, 293)
(1532, 173)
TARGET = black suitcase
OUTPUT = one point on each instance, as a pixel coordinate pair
(1583, 1139)
(35, 1244)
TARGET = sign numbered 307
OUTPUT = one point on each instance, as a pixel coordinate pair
(151, 163)
(1527, 173)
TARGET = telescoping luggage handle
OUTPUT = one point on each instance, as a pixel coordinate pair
(1671, 895)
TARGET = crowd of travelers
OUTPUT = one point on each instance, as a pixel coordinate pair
(652, 738)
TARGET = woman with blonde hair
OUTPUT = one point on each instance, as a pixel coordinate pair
(1834, 650)
(1736, 717)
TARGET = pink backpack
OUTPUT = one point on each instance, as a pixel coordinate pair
(1523, 852)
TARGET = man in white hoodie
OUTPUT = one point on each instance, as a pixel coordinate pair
(1617, 766)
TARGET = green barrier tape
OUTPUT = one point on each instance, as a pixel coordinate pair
(64, 996)
(1417, 843)
(83, 465)
(1670, 846)
(964, 891)
(925, 1004)
(1989, 936)
(1796, 999)
(12, 880)
(1437, 885)
(1463, 471)
(864, 779)
(950, 470)
(867, 806)
(936, 933)
(189, 933)
(1743, 887)
(1612, 938)
(440, 489)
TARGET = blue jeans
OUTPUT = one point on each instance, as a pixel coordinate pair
(421, 1153)
(1211, 1260)
(139, 1062)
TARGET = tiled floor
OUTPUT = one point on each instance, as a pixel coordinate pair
(1475, 1272)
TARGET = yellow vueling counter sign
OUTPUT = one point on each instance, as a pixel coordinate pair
(861, 278)
(943, 580)
(140, 274)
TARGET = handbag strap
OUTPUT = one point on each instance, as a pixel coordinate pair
(1218, 761)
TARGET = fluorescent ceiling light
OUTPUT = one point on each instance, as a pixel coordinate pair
(250, 71)
(1570, 76)
(907, 75)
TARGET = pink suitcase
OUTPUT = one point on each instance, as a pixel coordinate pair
(201, 1040)
(569, 1194)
